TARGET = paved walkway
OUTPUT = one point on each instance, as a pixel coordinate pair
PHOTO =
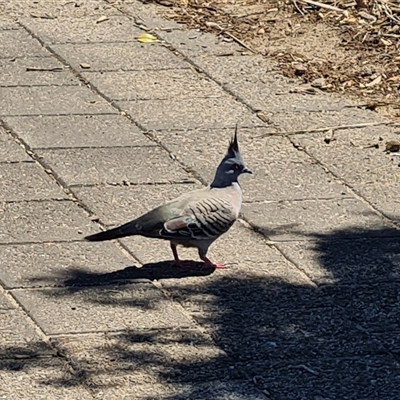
(95, 129)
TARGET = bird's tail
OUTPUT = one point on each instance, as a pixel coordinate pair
(128, 229)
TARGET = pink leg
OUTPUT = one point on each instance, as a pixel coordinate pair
(211, 264)
(177, 261)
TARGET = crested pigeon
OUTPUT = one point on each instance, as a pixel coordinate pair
(194, 219)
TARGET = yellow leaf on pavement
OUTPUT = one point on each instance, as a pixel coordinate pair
(147, 38)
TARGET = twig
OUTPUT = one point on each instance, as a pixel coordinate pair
(322, 5)
(325, 129)
(297, 7)
(240, 42)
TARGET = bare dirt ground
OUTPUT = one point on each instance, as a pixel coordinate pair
(335, 46)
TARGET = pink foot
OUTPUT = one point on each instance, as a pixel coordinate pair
(216, 266)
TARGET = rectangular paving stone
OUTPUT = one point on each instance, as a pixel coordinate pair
(146, 356)
(10, 150)
(61, 264)
(77, 131)
(296, 121)
(134, 164)
(42, 378)
(35, 71)
(51, 100)
(310, 219)
(100, 309)
(383, 196)
(43, 221)
(341, 261)
(280, 172)
(357, 155)
(369, 377)
(146, 85)
(116, 28)
(16, 43)
(206, 113)
(258, 82)
(193, 43)
(118, 56)
(45, 9)
(27, 181)
(18, 337)
(234, 390)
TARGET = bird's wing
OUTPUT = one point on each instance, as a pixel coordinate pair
(207, 218)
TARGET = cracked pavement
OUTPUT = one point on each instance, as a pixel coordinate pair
(310, 306)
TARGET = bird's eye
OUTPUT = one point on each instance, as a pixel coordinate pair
(235, 167)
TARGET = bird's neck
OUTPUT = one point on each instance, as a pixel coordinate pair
(223, 182)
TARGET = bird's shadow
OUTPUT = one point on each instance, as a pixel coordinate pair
(153, 271)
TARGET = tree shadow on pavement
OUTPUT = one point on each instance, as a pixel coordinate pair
(269, 338)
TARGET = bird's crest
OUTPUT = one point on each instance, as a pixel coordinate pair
(233, 144)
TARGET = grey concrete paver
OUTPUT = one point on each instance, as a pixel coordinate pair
(52, 100)
(358, 155)
(16, 43)
(18, 337)
(146, 356)
(146, 85)
(118, 56)
(77, 131)
(11, 151)
(383, 197)
(35, 71)
(194, 43)
(42, 378)
(219, 112)
(297, 121)
(84, 30)
(149, 164)
(43, 221)
(259, 84)
(314, 218)
(233, 390)
(50, 9)
(372, 377)
(59, 264)
(343, 261)
(27, 181)
(100, 308)
(277, 165)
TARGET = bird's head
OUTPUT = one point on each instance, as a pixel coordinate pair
(232, 165)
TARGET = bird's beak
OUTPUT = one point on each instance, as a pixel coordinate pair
(246, 170)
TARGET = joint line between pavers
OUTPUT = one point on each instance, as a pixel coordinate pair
(343, 197)
(133, 146)
(40, 242)
(127, 183)
(55, 115)
(58, 199)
